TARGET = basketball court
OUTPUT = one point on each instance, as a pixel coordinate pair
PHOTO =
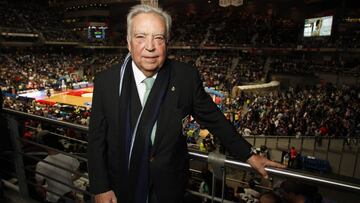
(80, 97)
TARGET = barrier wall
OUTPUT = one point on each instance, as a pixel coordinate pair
(342, 154)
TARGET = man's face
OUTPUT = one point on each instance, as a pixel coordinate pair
(147, 42)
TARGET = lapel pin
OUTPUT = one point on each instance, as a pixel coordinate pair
(173, 88)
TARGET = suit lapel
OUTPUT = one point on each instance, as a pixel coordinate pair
(135, 104)
(119, 110)
(170, 103)
(116, 95)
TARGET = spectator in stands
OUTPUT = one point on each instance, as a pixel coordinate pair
(209, 143)
(294, 192)
(293, 155)
(123, 169)
(250, 194)
(206, 184)
(269, 197)
(53, 174)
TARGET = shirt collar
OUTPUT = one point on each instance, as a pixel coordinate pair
(138, 75)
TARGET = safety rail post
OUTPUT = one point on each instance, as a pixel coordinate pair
(18, 158)
(217, 162)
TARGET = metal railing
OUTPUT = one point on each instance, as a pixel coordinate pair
(287, 173)
(22, 171)
(219, 163)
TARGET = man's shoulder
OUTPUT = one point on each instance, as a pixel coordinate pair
(111, 72)
(181, 67)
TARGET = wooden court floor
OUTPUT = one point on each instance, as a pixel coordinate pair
(65, 98)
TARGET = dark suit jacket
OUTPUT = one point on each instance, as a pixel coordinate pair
(169, 165)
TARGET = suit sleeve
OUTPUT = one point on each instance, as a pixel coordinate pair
(209, 115)
(97, 161)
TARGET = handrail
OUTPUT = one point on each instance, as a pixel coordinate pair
(285, 137)
(52, 149)
(85, 129)
(286, 173)
(228, 162)
(49, 120)
(61, 136)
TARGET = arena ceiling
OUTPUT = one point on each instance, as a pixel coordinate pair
(202, 4)
(296, 9)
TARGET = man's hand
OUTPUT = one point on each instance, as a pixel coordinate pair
(259, 163)
(106, 197)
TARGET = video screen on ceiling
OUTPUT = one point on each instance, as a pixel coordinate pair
(97, 32)
(317, 27)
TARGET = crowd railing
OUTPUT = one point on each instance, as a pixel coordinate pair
(218, 163)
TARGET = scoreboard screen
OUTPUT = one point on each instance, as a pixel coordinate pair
(97, 33)
(317, 27)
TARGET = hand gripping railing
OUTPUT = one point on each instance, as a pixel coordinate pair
(287, 173)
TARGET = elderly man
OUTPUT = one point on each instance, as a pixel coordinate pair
(137, 152)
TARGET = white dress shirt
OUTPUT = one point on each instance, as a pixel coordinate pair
(139, 78)
(141, 88)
